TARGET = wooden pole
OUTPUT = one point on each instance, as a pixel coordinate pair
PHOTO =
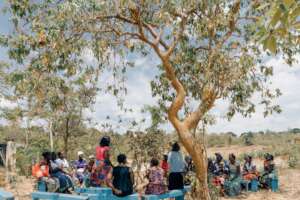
(51, 137)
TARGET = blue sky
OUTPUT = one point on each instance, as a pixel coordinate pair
(285, 78)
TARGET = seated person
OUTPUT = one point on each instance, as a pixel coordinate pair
(41, 171)
(90, 165)
(218, 170)
(80, 166)
(62, 161)
(249, 169)
(269, 171)
(165, 165)
(65, 181)
(121, 178)
(155, 175)
(232, 184)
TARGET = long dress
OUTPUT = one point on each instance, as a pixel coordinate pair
(232, 184)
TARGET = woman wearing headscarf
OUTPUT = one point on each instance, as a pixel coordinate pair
(232, 184)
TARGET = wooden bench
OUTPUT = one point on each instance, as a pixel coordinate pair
(6, 195)
(56, 196)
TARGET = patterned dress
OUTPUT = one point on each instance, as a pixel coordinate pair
(156, 183)
(99, 174)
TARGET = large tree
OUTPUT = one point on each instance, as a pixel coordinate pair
(209, 50)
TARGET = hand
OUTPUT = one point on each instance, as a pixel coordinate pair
(118, 192)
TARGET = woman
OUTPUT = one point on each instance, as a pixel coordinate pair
(165, 165)
(65, 182)
(155, 175)
(103, 165)
(176, 165)
(249, 170)
(218, 169)
(122, 179)
(269, 171)
(102, 151)
(232, 184)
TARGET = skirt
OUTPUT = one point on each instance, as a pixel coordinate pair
(176, 181)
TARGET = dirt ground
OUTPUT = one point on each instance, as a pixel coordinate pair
(289, 179)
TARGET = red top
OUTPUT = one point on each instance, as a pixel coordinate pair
(165, 166)
(100, 152)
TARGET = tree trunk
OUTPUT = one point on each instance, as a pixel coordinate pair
(197, 151)
(51, 136)
(66, 138)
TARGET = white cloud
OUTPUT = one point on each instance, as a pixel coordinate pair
(287, 80)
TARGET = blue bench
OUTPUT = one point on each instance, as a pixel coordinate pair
(56, 196)
(106, 194)
(6, 195)
(103, 194)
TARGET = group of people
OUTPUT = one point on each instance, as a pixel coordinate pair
(229, 175)
(171, 173)
(98, 171)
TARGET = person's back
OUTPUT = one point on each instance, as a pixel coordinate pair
(176, 168)
(101, 152)
(176, 163)
(122, 180)
(155, 176)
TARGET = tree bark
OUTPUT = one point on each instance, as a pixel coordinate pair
(197, 151)
(66, 138)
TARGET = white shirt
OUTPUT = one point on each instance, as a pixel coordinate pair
(62, 163)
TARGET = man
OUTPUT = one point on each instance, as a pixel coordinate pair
(62, 161)
(80, 166)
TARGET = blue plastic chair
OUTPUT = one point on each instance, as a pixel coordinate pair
(274, 185)
(254, 185)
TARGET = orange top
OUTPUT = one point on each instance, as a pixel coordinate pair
(39, 170)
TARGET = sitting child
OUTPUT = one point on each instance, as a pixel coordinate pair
(121, 178)
(155, 176)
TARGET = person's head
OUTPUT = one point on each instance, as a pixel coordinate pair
(219, 157)
(165, 157)
(269, 157)
(53, 156)
(122, 159)
(154, 162)
(105, 141)
(91, 158)
(188, 159)
(46, 156)
(175, 147)
(248, 159)
(232, 158)
(80, 155)
(60, 155)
